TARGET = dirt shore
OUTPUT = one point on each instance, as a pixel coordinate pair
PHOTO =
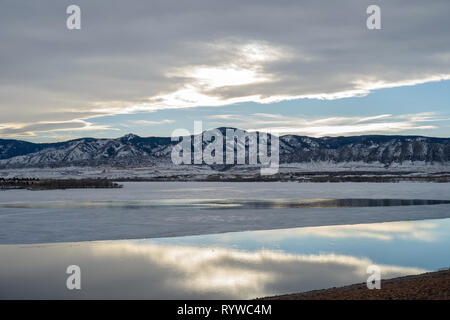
(426, 286)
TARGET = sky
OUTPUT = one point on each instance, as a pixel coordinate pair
(287, 67)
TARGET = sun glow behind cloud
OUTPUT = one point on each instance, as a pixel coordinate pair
(213, 77)
(245, 66)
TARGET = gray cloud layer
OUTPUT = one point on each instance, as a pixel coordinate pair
(148, 55)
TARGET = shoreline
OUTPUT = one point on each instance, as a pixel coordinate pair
(110, 182)
(56, 184)
(426, 286)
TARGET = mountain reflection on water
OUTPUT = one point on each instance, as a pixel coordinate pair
(227, 204)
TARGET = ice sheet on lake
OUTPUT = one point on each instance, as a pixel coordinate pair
(38, 225)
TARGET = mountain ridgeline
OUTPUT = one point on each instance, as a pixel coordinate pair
(132, 150)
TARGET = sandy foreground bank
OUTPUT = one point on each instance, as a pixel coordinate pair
(426, 286)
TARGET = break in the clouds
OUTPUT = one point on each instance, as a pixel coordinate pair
(134, 56)
(331, 126)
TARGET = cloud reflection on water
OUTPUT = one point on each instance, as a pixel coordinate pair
(412, 230)
(142, 269)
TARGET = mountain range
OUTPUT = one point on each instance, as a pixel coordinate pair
(133, 150)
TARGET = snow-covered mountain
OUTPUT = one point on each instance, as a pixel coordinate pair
(387, 150)
(127, 150)
(132, 150)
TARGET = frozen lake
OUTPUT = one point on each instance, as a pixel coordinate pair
(225, 266)
(166, 209)
(199, 240)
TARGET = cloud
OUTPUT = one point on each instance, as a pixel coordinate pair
(24, 129)
(225, 117)
(166, 54)
(331, 126)
(152, 123)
